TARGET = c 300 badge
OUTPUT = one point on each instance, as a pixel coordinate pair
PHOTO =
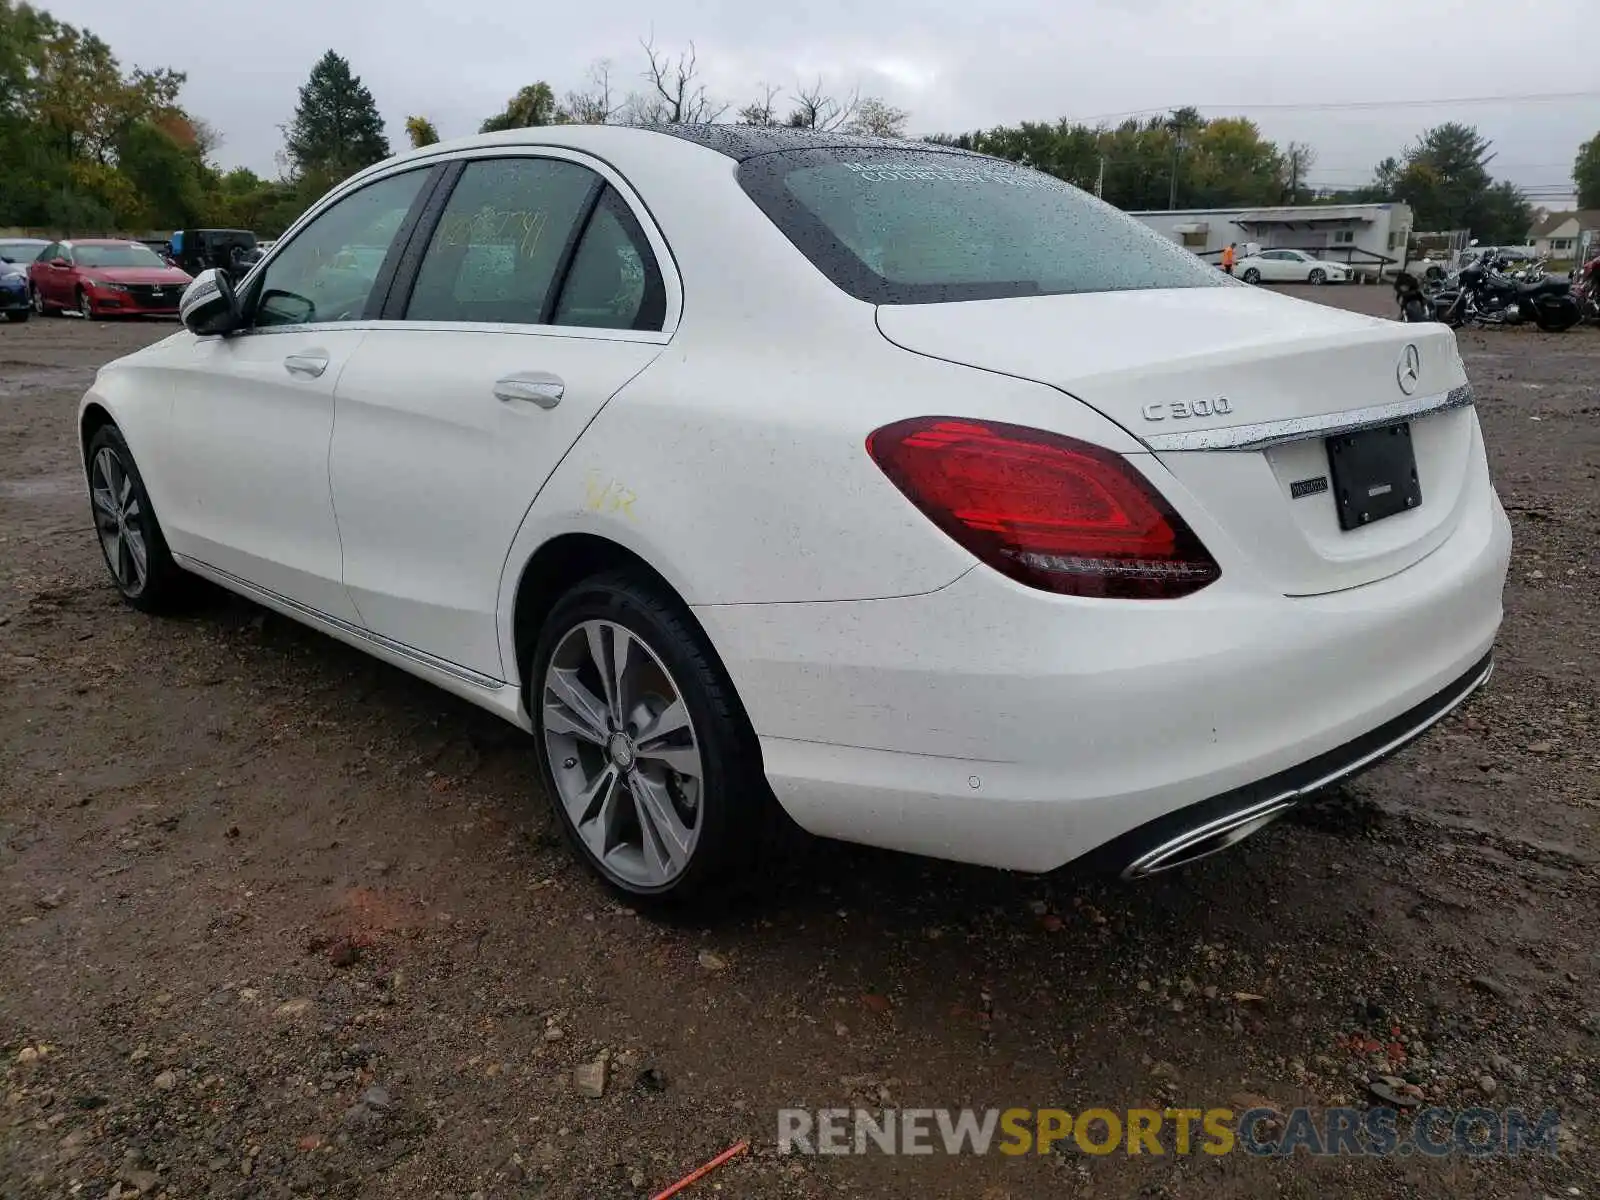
(1182, 410)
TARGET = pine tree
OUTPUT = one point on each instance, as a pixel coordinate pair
(336, 128)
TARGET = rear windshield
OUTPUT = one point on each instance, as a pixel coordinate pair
(893, 226)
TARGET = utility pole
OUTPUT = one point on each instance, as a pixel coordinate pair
(1100, 179)
(1172, 189)
(1294, 174)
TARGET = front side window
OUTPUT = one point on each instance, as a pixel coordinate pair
(893, 226)
(500, 243)
(327, 272)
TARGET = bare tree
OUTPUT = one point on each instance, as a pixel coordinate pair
(762, 111)
(815, 109)
(593, 105)
(675, 94)
(875, 117)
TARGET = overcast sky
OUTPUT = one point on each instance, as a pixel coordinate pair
(953, 65)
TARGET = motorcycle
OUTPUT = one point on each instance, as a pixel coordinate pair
(1586, 289)
(1414, 300)
(1485, 294)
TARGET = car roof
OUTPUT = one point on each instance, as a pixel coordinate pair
(740, 142)
(737, 142)
(101, 242)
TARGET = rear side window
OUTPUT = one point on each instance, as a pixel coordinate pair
(499, 245)
(893, 226)
(613, 282)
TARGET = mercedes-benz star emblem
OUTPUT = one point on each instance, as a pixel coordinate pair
(1409, 371)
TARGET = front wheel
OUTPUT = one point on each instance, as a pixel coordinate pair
(38, 303)
(1251, 275)
(86, 306)
(649, 761)
(131, 540)
(19, 315)
(1317, 278)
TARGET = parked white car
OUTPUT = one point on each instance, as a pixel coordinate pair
(1289, 266)
(913, 493)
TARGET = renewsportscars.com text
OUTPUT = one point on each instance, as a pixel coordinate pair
(1475, 1132)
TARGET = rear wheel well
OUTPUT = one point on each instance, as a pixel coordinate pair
(94, 419)
(555, 567)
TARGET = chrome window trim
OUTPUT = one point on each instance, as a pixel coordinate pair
(650, 337)
(1263, 435)
(671, 280)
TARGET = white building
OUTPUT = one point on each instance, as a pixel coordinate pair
(1562, 236)
(1370, 237)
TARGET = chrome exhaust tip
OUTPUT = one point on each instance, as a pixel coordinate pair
(1212, 837)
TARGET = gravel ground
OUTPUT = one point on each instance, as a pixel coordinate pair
(277, 919)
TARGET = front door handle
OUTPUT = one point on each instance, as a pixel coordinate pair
(312, 364)
(541, 387)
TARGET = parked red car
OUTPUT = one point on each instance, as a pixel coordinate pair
(102, 277)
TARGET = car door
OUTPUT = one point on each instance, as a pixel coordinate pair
(56, 278)
(529, 297)
(1272, 266)
(246, 451)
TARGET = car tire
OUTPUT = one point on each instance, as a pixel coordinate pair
(1317, 278)
(1251, 275)
(86, 306)
(39, 305)
(686, 813)
(125, 524)
(18, 315)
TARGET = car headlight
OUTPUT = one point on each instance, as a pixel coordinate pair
(111, 287)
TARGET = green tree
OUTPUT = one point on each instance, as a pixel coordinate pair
(167, 176)
(336, 128)
(421, 132)
(1182, 159)
(1586, 173)
(532, 105)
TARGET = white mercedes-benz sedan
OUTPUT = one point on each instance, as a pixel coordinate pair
(909, 492)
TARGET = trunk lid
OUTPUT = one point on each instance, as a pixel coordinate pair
(1185, 370)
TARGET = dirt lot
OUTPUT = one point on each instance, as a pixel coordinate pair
(277, 919)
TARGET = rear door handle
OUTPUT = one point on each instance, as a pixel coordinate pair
(312, 364)
(541, 387)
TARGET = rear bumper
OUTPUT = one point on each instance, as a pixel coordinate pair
(992, 724)
(1212, 825)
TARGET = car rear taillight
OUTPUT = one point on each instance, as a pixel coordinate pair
(1049, 511)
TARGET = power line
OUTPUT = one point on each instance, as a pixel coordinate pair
(1355, 105)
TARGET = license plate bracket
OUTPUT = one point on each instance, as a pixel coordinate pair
(1374, 474)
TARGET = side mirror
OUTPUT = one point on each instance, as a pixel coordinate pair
(209, 306)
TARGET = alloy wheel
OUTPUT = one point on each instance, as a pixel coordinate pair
(119, 519)
(38, 302)
(623, 754)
